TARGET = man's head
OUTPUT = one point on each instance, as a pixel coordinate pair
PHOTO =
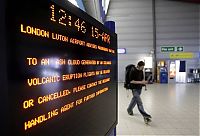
(140, 65)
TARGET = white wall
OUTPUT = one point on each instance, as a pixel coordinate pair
(134, 28)
(177, 23)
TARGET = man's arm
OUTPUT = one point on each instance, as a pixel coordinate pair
(139, 82)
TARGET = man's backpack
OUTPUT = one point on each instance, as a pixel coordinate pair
(129, 69)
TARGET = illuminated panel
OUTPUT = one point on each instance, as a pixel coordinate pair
(121, 50)
(62, 70)
(172, 70)
(183, 55)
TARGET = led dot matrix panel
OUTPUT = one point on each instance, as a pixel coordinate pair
(61, 70)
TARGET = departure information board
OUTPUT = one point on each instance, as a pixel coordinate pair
(62, 70)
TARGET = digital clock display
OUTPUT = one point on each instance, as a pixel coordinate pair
(60, 16)
(62, 70)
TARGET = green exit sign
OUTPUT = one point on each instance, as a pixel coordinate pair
(172, 49)
(179, 48)
(167, 49)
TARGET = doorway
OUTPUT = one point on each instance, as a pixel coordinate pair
(180, 71)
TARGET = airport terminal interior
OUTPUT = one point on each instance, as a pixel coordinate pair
(70, 59)
(145, 28)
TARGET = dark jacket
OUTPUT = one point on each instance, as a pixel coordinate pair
(137, 75)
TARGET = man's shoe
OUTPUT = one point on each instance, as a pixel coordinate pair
(130, 112)
(147, 120)
(148, 116)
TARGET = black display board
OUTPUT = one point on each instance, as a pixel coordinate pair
(61, 67)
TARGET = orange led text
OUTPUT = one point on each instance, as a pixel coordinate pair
(53, 96)
(40, 119)
(43, 80)
(34, 31)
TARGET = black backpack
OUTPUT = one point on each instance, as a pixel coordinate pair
(129, 69)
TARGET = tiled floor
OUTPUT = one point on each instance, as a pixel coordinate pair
(174, 109)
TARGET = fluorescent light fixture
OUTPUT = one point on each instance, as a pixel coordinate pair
(105, 4)
(121, 50)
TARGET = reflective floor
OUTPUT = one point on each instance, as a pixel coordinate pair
(174, 109)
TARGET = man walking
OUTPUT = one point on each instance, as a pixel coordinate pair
(137, 82)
